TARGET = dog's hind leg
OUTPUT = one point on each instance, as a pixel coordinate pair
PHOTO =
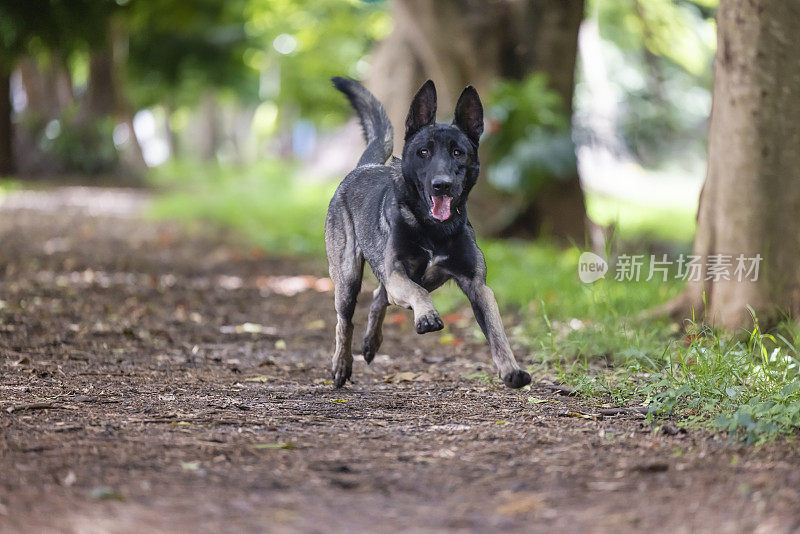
(346, 265)
(373, 336)
(347, 284)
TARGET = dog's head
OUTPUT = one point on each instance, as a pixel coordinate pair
(440, 161)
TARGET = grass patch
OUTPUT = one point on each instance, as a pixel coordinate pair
(266, 203)
(583, 335)
(8, 184)
(638, 222)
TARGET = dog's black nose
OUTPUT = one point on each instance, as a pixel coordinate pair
(441, 185)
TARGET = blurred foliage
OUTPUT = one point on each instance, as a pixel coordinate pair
(52, 26)
(82, 146)
(529, 139)
(661, 64)
(305, 43)
(180, 50)
(75, 146)
(274, 58)
(675, 30)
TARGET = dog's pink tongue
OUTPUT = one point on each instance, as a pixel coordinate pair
(441, 208)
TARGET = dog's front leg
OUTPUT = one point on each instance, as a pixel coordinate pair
(484, 306)
(402, 291)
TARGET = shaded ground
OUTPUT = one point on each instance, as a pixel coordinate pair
(152, 379)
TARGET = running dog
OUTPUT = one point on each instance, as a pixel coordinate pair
(408, 219)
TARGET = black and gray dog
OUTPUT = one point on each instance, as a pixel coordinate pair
(408, 220)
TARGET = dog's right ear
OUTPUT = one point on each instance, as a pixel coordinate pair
(423, 109)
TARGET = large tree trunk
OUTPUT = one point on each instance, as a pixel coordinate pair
(6, 152)
(458, 42)
(750, 203)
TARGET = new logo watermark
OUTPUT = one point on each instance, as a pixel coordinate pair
(692, 268)
(591, 267)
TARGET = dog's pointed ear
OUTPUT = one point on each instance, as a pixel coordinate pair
(469, 114)
(423, 109)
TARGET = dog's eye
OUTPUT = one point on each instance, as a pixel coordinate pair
(457, 153)
(423, 152)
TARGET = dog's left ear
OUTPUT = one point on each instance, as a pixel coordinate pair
(469, 114)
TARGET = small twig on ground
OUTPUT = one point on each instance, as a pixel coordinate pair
(561, 390)
(617, 411)
(31, 406)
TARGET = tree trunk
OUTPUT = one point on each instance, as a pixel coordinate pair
(750, 203)
(6, 132)
(457, 43)
(169, 131)
(48, 88)
(101, 91)
(208, 134)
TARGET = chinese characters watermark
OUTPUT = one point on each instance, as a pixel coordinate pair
(689, 268)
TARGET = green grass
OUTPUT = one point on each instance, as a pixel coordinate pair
(6, 185)
(635, 221)
(266, 203)
(587, 336)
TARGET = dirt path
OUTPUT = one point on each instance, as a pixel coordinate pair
(155, 380)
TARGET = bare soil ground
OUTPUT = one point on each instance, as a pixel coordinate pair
(158, 378)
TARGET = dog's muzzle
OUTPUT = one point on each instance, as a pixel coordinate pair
(441, 186)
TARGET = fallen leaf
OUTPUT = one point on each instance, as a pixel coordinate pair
(602, 485)
(453, 317)
(280, 345)
(249, 328)
(521, 503)
(261, 379)
(104, 493)
(405, 376)
(581, 415)
(317, 324)
(338, 401)
(69, 479)
(534, 400)
(397, 318)
(190, 466)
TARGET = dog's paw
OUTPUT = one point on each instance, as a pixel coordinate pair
(370, 347)
(341, 372)
(517, 379)
(430, 322)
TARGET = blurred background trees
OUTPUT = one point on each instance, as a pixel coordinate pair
(614, 90)
(497, 46)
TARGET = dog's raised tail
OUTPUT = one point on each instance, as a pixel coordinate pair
(375, 124)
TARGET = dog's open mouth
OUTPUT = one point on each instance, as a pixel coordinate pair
(441, 208)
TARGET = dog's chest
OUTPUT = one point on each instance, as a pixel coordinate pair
(430, 267)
